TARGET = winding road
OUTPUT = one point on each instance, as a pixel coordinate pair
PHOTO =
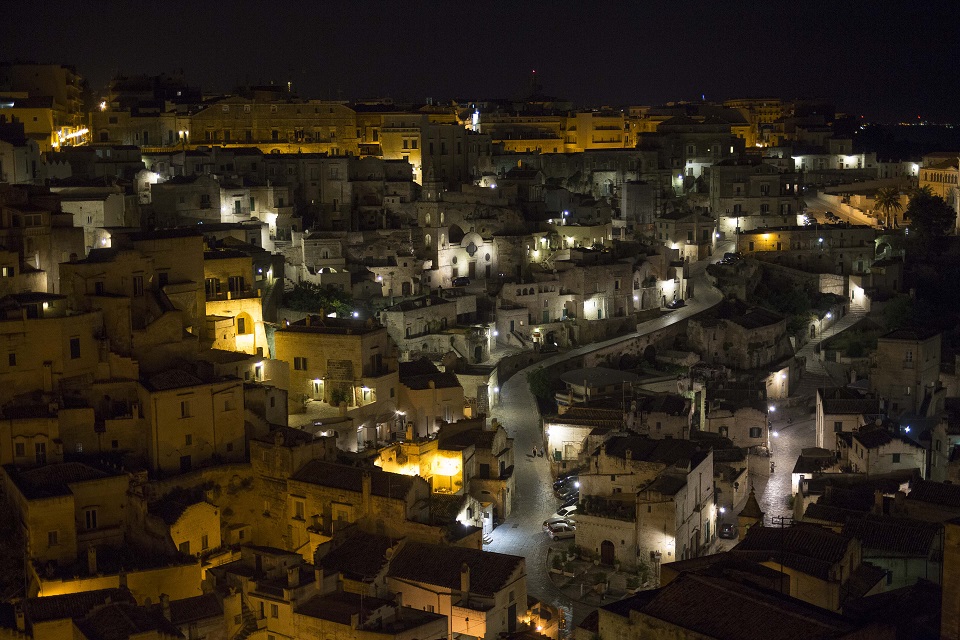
(533, 500)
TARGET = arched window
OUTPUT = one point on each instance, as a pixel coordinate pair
(441, 217)
(426, 219)
(427, 240)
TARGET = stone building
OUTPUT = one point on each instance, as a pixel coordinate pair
(480, 592)
(905, 372)
(740, 336)
(340, 362)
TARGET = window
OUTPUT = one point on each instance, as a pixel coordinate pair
(98, 288)
(19, 450)
(755, 432)
(137, 286)
(274, 611)
(12, 359)
(53, 538)
(114, 444)
(204, 542)
(90, 519)
(40, 452)
(184, 548)
(896, 458)
(74, 348)
(300, 364)
(184, 408)
(188, 439)
(241, 325)
(837, 426)
(298, 510)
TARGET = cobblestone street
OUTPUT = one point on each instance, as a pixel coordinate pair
(534, 501)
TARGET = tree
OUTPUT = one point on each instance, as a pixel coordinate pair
(313, 298)
(540, 386)
(887, 200)
(931, 218)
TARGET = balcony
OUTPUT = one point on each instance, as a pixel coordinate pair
(246, 292)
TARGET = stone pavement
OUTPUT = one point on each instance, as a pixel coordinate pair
(533, 502)
(795, 427)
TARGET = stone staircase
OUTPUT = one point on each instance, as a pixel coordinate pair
(815, 375)
(249, 625)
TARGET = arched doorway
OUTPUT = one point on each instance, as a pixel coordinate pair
(607, 552)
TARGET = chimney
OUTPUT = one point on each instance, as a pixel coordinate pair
(293, 576)
(367, 484)
(628, 454)
(465, 583)
(165, 605)
(307, 319)
(92, 561)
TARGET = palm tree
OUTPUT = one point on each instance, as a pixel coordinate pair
(887, 200)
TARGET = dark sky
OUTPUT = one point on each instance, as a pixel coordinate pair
(883, 59)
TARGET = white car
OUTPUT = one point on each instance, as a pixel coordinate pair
(554, 520)
(560, 530)
(565, 512)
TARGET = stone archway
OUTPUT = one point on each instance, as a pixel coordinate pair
(608, 553)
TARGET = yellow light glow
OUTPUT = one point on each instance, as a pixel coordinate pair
(446, 467)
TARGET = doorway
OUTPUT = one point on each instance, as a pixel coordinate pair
(607, 552)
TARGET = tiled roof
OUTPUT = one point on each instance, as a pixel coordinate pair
(911, 334)
(361, 556)
(878, 437)
(914, 609)
(170, 508)
(588, 417)
(440, 566)
(864, 578)
(667, 485)
(444, 380)
(419, 367)
(340, 606)
(938, 493)
(419, 303)
(807, 548)
(339, 476)
(669, 403)
(896, 535)
(201, 607)
(71, 605)
(120, 621)
(718, 608)
(53, 479)
(173, 379)
(844, 401)
(667, 451)
(829, 513)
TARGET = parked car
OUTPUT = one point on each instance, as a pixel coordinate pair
(552, 521)
(565, 512)
(462, 281)
(570, 477)
(676, 304)
(570, 499)
(728, 531)
(567, 490)
(561, 530)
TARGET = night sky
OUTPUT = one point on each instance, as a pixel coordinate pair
(866, 57)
